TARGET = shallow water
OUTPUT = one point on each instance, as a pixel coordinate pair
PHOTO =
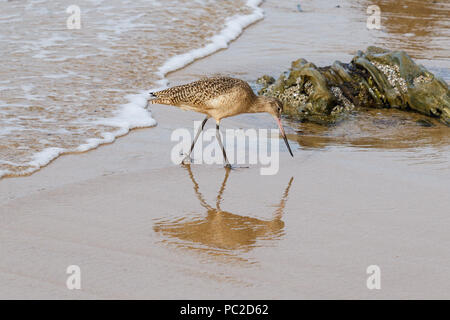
(376, 128)
(421, 28)
(63, 89)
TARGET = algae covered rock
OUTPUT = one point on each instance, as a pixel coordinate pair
(376, 78)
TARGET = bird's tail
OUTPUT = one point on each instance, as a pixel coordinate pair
(158, 97)
(152, 98)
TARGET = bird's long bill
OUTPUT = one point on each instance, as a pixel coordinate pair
(284, 135)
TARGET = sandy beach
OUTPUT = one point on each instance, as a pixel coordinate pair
(141, 227)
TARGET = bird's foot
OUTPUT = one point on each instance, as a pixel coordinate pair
(187, 160)
(234, 167)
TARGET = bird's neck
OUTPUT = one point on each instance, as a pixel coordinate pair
(259, 105)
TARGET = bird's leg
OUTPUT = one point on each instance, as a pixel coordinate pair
(197, 191)
(219, 139)
(188, 156)
(222, 189)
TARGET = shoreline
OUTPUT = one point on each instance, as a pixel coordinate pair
(135, 225)
(232, 30)
(136, 106)
(173, 70)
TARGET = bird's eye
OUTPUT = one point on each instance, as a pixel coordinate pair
(279, 109)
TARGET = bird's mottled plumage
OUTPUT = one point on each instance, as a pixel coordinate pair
(218, 98)
(209, 96)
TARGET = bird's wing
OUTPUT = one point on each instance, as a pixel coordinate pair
(197, 93)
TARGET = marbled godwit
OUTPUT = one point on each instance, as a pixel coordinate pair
(219, 98)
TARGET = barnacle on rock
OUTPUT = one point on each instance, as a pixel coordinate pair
(393, 76)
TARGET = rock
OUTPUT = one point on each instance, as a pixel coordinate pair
(265, 80)
(376, 78)
(425, 123)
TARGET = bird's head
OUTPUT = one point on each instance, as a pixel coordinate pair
(274, 107)
(271, 105)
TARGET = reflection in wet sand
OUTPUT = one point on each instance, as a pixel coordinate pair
(377, 128)
(221, 233)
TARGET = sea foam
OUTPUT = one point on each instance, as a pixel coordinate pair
(134, 114)
(129, 116)
(233, 29)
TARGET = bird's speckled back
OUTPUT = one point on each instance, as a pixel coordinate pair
(198, 93)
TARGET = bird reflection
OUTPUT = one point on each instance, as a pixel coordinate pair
(220, 232)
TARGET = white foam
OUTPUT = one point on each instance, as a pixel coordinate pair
(233, 29)
(130, 116)
(56, 76)
(3, 173)
(134, 113)
(6, 130)
(42, 158)
(122, 25)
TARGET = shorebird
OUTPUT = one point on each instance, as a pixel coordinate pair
(219, 98)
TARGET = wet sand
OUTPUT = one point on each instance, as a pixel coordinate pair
(141, 227)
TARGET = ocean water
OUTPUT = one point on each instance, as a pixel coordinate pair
(69, 90)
